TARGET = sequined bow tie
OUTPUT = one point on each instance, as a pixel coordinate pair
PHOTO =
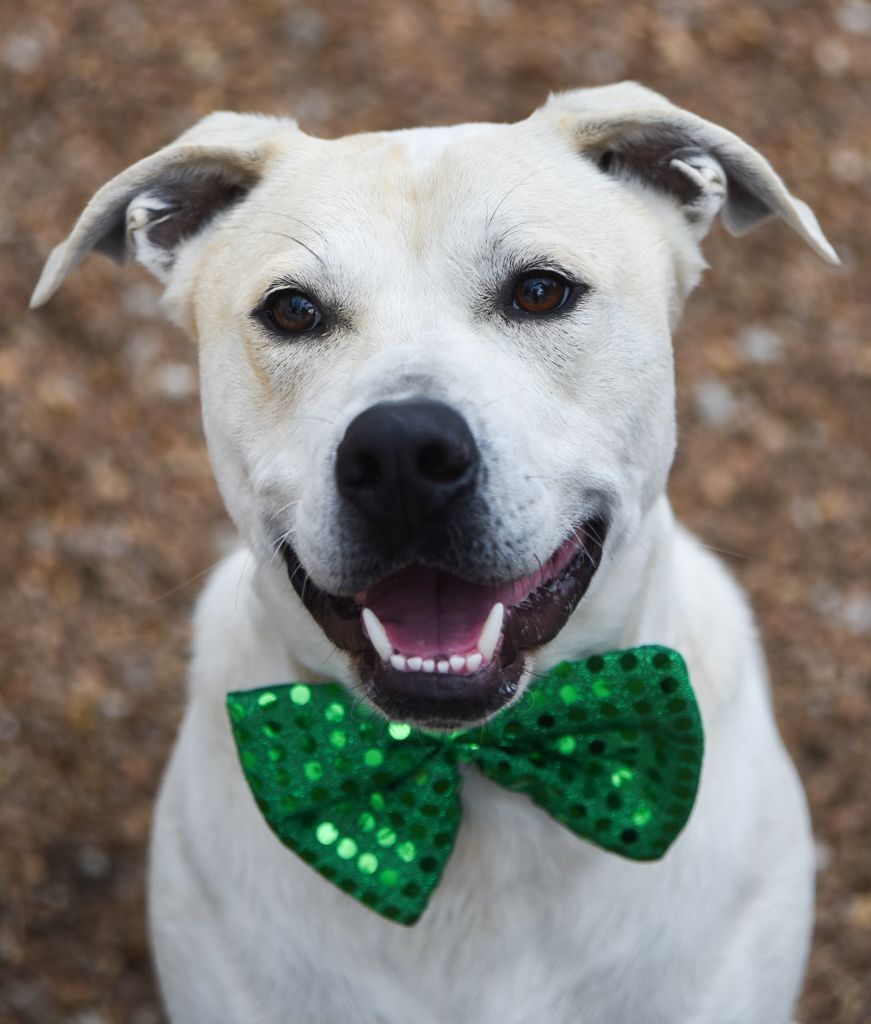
(610, 747)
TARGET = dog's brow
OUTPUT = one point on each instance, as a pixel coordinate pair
(532, 174)
(291, 238)
(505, 255)
(278, 234)
(289, 216)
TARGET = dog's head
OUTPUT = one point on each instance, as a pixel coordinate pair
(436, 364)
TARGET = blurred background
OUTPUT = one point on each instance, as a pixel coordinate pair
(110, 518)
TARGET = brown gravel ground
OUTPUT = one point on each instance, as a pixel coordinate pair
(110, 516)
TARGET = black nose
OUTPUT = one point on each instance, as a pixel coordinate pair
(402, 463)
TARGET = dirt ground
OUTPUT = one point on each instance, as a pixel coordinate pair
(109, 514)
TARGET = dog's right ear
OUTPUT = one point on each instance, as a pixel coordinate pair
(150, 209)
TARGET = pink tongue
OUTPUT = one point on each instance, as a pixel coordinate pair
(430, 612)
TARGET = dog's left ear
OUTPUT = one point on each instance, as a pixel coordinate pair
(150, 210)
(634, 133)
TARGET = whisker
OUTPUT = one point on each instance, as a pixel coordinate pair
(725, 551)
(187, 583)
(316, 419)
(277, 234)
(289, 216)
(514, 188)
(501, 398)
(241, 577)
(280, 511)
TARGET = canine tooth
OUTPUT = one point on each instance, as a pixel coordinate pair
(444, 667)
(428, 665)
(414, 664)
(473, 661)
(492, 629)
(458, 662)
(398, 661)
(377, 634)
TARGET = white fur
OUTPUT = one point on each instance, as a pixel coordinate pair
(528, 923)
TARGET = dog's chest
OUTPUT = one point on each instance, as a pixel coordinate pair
(528, 923)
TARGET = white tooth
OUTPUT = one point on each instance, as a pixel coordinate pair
(474, 661)
(428, 665)
(458, 663)
(377, 634)
(491, 632)
(443, 667)
(414, 664)
(398, 661)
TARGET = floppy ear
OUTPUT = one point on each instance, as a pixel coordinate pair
(155, 205)
(634, 133)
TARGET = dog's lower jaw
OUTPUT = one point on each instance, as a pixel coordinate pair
(445, 703)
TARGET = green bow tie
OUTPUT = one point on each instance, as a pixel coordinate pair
(611, 747)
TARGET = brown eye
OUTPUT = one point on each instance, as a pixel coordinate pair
(541, 291)
(292, 312)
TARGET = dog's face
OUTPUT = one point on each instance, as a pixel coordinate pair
(437, 379)
(436, 364)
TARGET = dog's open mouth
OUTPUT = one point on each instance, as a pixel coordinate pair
(442, 651)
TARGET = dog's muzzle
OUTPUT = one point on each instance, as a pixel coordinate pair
(431, 645)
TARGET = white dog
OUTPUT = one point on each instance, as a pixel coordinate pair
(437, 384)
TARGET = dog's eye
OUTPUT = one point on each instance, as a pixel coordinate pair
(540, 291)
(292, 312)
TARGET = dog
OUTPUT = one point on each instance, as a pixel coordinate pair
(437, 390)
